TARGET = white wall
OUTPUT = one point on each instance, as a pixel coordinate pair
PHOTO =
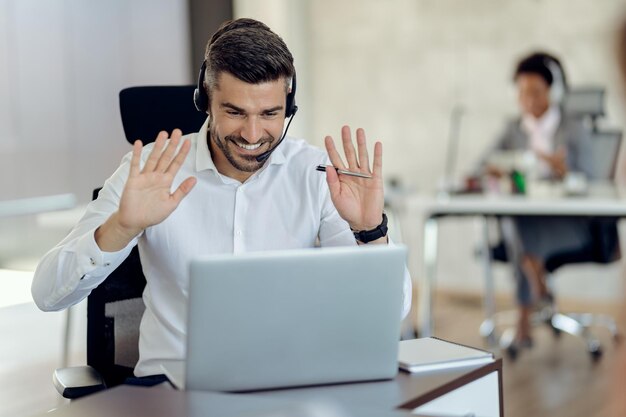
(62, 64)
(398, 68)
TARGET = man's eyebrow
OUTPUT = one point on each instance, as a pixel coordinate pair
(273, 109)
(240, 110)
(233, 107)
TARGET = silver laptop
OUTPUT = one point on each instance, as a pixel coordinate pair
(292, 318)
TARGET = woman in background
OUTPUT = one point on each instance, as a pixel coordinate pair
(558, 144)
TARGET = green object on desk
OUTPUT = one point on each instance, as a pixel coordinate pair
(518, 182)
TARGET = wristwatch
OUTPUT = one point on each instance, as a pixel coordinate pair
(365, 236)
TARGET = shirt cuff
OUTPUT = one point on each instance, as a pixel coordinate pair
(93, 262)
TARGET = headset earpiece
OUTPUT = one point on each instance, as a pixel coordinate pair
(200, 96)
(558, 89)
(290, 106)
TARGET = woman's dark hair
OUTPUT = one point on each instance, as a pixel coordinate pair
(542, 64)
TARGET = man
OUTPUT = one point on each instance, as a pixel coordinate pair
(558, 144)
(232, 187)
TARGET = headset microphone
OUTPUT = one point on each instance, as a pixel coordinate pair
(266, 154)
(290, 111)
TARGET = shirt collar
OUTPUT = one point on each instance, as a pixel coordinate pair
(203, 155)
(546, 122)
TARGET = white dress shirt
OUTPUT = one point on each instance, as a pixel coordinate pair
(541, 132)
(285, 205)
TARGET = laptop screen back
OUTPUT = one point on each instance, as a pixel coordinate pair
(293, 318)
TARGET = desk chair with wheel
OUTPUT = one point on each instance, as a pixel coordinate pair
(601, 248)
(115, 308)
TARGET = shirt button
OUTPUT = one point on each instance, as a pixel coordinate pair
(93, 262)
(107, 264)
(238, 232)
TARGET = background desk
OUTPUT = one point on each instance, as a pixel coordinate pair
(396, 397)
(602, 200)
(35, 205)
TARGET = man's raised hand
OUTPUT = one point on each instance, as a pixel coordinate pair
(147, 198)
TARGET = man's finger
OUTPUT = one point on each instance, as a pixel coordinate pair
(168, 154)
(361, 143)
(178, 160)
(134, 162)
(334, 156)
(156, 152)
(348, 148)
(183, 189)
(333, 183)
(378, 160)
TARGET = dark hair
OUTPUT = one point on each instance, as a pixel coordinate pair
(542, 64)
(248, 50)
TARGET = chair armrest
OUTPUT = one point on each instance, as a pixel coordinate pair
(77, 381)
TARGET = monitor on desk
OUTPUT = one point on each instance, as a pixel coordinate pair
(292, 318)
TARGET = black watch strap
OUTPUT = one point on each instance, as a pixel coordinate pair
(365, 236)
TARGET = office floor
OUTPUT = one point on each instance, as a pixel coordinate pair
(556, 378)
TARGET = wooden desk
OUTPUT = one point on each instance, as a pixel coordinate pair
(397, 397)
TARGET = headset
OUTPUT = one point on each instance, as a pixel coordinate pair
(201, 100)
(559, 86)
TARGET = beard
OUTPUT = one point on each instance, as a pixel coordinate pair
(244, 163)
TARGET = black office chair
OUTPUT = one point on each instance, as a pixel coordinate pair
(115, 307)
(147, 110)
(602, 248)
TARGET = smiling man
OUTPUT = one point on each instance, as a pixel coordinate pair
(237, 185)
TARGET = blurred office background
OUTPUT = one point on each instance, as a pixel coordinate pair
(397, 68)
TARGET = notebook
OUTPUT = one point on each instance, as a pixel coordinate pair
(432, 354)
(292, 318)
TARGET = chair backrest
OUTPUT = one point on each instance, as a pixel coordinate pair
(585, 102)
(603, 245)
(114, 310)
(602, 248)
(115, 307)
(147, 110)
(605, 146)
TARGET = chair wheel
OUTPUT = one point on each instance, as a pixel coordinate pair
(595, 350)
(596, 354)
(408, 334)
(556, 332)
(512, 351)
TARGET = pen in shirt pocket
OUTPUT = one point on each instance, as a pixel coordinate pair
(322, 168)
